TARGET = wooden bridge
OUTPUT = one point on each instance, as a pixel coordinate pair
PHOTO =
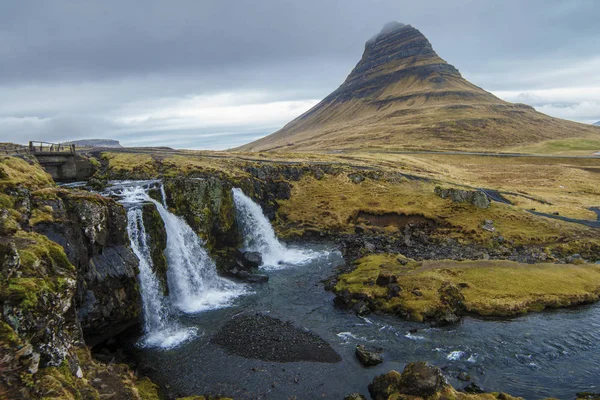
(46, 147)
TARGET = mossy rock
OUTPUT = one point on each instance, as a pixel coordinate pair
(157, 242)
(207, 206)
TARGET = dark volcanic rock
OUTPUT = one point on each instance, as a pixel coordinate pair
(270, 339)
(367, 357)
(251, 259)
(157, 242)
(93, 232)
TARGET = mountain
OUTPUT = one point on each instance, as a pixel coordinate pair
(402, 95)
(96, 143)
(596, 123)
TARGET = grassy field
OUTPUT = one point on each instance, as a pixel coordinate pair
(575, 147)
(489, 288)
(568, 186)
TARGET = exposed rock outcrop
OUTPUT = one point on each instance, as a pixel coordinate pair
(475, 197)
(206, 203)
(43, 285)
(157, 242)
(93, 232)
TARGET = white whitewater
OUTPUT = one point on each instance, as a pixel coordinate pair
(191, 274)
(259, 235)
(159, 327)
(163, 195)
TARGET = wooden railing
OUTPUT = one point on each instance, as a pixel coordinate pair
(45, 147)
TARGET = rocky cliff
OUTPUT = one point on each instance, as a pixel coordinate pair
(402, 95)
(67, 280)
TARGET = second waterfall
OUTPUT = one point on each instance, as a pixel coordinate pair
(259, 235)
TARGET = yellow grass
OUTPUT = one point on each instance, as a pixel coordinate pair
(490, 288)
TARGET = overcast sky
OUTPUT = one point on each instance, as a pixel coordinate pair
(215, 74)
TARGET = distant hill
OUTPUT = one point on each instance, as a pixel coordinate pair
(402, 95)
(597, 123)
(96, 143)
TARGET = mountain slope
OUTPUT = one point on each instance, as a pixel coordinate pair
(402, 95)
(597, 123)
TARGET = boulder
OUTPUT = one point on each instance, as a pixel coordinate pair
(474, 197)
(421, 379)
(368, 358)
(252, 259)
(418, 379)
(383, 386)
(488, 225)
(356, 178)
(463, 376)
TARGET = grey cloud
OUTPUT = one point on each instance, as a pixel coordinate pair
(74, 66)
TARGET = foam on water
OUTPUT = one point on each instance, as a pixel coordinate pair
(455, 355)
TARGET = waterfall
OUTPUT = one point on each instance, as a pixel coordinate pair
(259, 235)
(163, 195)
(160, 329)
(191, 274)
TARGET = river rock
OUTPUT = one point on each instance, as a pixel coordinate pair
(417, 379)
(463, 376)
(367, 357)
(252, 259)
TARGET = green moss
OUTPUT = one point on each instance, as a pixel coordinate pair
(43, 215)
(95, 162)
(130, 165)
(28, 291)
(43, 256)
(6, 201)
(208, 207)
(19, 172)
(147, 389)
(8, 337)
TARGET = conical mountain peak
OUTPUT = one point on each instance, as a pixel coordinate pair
(402, 95)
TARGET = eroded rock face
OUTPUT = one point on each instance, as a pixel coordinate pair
(93, 232)
(157, 241)
(43, 353)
